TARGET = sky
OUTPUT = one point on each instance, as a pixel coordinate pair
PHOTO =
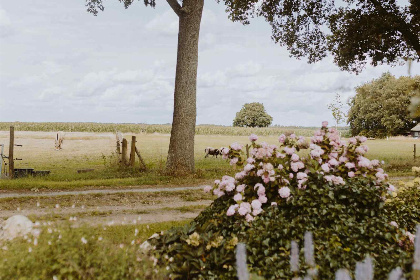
(59, 63)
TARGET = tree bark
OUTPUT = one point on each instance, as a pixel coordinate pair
(181, 147)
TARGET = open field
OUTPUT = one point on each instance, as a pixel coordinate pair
(84, 150)
(159, 128)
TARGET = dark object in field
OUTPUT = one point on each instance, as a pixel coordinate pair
(40, 173)
(22, 172)
(85, 170)
(212, 151)
(26, 172)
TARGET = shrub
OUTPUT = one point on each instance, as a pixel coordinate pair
(336, 193)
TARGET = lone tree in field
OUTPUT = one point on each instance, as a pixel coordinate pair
(252, 115)
(336, 108)
(381, 107)
(354, 32)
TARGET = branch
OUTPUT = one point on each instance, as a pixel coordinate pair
(175, 6)
(407, 32)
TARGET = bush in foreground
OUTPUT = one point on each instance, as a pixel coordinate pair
(64, 252)
(339, 195)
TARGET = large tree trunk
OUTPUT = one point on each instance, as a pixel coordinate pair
(181, 146)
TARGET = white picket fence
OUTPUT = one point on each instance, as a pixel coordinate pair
(364, 270)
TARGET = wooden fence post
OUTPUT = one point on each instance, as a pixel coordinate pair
(11, 147)
(124, 152)
(118, 147)
(118, 138)
(414, 151)
(247, 150)
(133, 151)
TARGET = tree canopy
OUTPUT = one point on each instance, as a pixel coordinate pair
(380, 108)
(352, 31)
(252, 115)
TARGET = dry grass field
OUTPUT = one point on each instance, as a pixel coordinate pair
(90, 150)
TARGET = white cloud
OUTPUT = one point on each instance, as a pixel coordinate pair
(165, 24)
(5, 24)
(247, 69)
(120, 67)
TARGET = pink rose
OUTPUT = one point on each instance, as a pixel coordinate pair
(250, 160)
(231, 211)
(325, 167)
(289, 151)
(236, 146)
(237, 197)
(324, 124)
(262, 199)
(256, 204)
(240, 188)
(301, 175)
(282, 138)
(230, 186)
(362, 139)
(295, 157)
(253, 137)
(333, 162)
(261, 191)
(284, 192)
(350, 165)
(249, 218)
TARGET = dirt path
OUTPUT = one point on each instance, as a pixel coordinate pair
(112, 207)
(115, 215)
(131, 190)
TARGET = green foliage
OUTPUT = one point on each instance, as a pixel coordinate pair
(348, 221)
(380, 107)
(414, 107)
(353, 31)
(405, 206)
(252, 115)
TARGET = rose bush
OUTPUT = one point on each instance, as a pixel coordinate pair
(279, 194)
